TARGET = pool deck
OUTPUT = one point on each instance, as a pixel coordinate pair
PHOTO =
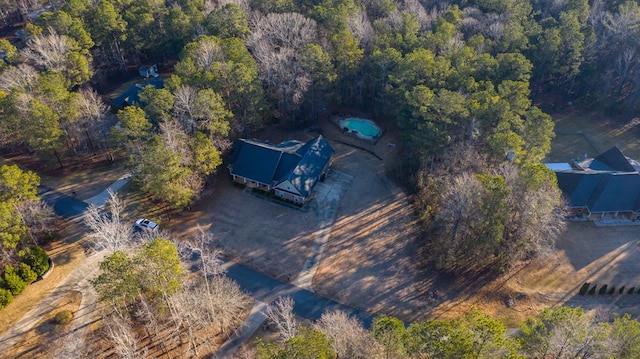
(383, 148)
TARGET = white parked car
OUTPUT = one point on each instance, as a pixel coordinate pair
(144, 223)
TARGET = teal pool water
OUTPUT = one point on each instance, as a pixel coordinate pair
(362, 128)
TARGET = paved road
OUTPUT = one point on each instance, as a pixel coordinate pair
(308, 304)
(265, 290)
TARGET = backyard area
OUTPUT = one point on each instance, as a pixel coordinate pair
(580, 133)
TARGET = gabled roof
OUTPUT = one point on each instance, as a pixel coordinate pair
(300, 164)
(288, 162)
(616, 192)
(315, 155)
(612, 160)
(578, 187)
(606, 183)
(255, 161)
(130, 96)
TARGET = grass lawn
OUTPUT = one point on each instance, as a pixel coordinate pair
(578, 133)
(67, 253)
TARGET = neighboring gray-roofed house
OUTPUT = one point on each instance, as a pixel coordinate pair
(290, 169)
(130, 96)
(608, 184)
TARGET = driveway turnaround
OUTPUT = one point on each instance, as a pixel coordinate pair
(64, 206)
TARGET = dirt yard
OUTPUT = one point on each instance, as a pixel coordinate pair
(271, 237)
(586, 253)
(368, 261)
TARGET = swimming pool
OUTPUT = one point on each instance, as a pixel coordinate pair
(365, 129)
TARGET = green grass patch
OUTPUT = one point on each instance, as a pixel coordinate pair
(578, 133)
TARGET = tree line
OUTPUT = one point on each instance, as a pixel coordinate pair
(559, 333)
(25, 223)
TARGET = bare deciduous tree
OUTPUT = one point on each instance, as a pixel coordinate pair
(70, 346)
(416, 8)
(227, 300)
(281, 314)
(176, 140)
(207, 53)
(347, 336)
(48, 51)
(109, 229)
(362, 29)
(37, 216)
(93, 118)
(185, 98)
(120, 334)
(276, 43)
(246, 352)
(290, 30)
(197, 305)
(19, 77)
(187, 315)
(202, 245)
(148, 315)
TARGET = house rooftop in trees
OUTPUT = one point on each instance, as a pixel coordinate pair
(290, 169)
(607, 185)
(130, 95)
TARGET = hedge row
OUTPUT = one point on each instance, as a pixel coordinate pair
(586, 288)
(35, 262)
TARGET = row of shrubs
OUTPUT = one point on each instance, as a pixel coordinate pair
(34, 263)
(604, 289)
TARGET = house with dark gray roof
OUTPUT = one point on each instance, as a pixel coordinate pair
(605, 186)
(290, 169)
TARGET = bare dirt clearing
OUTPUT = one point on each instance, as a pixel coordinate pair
(271, 237)
(369, 260)
(602, 255)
